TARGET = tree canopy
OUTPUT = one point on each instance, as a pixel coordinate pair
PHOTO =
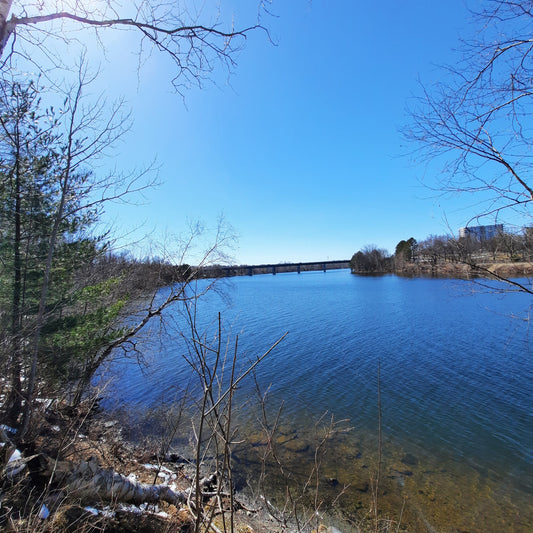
(406, 250)
(371, 260)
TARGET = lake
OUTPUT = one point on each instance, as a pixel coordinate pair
(455, 382)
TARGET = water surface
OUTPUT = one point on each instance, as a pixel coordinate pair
(455, 382)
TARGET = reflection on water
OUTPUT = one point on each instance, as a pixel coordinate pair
(456, 392)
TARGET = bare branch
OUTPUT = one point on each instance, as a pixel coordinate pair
(476, 121)
(192, 47)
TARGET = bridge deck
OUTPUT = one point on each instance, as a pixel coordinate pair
(275, 268)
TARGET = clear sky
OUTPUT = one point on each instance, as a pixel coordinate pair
(301, 151)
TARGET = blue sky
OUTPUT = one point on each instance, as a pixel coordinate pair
(301, 151)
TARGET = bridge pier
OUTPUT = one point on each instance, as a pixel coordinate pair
(324, 266)
(273, 270)
(299, 268)
(250, 271)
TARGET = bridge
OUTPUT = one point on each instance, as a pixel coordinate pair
(278, 268)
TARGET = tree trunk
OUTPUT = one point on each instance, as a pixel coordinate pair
(6, 27)
(91, 481)
(14, 400)
(27, 413)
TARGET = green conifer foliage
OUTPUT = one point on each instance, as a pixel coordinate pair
(81, 310)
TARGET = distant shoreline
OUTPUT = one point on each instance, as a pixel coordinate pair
(466, 271)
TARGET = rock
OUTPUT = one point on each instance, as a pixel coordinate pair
(409, 459)
(16, 463)
(329, 529)
(284, 439)
(175, 458)
(361, 486)
(296, 446)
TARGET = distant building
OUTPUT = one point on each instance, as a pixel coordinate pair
(481, 233)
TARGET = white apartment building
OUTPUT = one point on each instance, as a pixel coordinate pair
(481, 233)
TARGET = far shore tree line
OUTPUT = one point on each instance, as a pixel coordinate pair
(438, 250)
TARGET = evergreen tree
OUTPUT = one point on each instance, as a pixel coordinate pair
(43, 248)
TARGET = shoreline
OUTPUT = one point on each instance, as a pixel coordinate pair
(488, 270)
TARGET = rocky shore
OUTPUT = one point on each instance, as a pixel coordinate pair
(78, 473)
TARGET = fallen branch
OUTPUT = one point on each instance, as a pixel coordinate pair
(91, 481)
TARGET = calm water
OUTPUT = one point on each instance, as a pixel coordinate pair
(456, 375)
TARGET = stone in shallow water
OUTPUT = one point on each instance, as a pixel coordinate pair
(296, 446)
(409, 459)
(361, 486)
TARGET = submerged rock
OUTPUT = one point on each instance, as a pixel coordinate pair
(409, 459)
(296, 446)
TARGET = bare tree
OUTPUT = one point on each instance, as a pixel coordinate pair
(193, 46)
(371, 260)
(478, 116)
(476, 121)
